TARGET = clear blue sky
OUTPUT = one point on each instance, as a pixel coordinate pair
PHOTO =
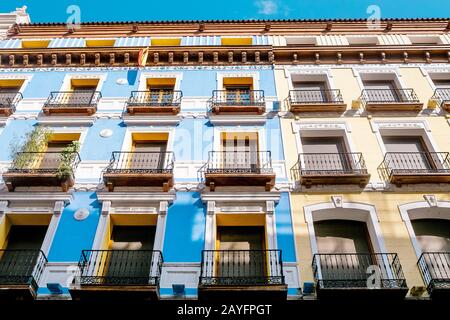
(115, 10)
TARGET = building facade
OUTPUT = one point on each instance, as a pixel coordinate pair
(208, 159)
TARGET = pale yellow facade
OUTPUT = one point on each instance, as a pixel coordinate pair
(364, 139)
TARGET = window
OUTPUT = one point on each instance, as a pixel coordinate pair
(362, 40)
(237, 41)
(30, 44)
(9, 91)
(425, 39)
(165, 42)
(161, 90)
(301, 41)
(100, 42)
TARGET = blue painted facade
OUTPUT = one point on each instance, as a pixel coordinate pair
(184, 237)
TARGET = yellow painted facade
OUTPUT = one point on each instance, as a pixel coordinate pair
(364, 140)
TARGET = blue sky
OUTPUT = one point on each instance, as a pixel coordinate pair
(114, 10)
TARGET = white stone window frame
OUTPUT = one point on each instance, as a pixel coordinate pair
(142, 82)
(323, 129)
(18, 76)
(146, 202)
(58, 129)
(242, 74)
(408, 217)
(360, 212)
(242, 203)
(128, 139)
(36, 203)
(66, 84)
(259, 130)
(438, 72)
(403, 128)
(315, 74)
(378, 73)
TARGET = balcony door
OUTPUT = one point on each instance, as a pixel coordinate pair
(148, 155)
(160, 95)
(81, 95)
(311, 92)
(325, 154)
(381, 91)
(239, 94)
(23, 246)
(241, 253)
(408, 153)
(51, 158)
(433, 236)
(344, 246)
(240, 153)
(7, 95)
(130, 258)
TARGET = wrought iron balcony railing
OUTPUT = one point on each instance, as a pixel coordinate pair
(21, 267)
(155, 98)
(435, 269)
(222, 98)
(387, 96)
(9, 100)
(416, 163)
(79, 99)
(120, 267)
(232, 162)
(331, 163)
(442, 95)
(44, 162)
(347, 271)
(317, 96)
(241, 268)
(141, 162)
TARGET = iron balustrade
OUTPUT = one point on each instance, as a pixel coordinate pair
(331, 163)
(141, 162)
(9, 100)
(389, 96)
(416, 163)
(442, 95)
(435, 270)
(120, 267)
(221, 98)
(73, 99)
(21, 267)
(239, 162)
(354, 270)
(317, 96)
(155, 98)
(241, 267)
(44, 162)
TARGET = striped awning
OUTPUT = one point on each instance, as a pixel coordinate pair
(200, 41)
(132, 42)
(67, 43)
(10, 44)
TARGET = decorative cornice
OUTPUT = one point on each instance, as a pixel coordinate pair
(35, 196)
(222, 56)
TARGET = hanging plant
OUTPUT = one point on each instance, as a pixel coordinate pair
(67, 158)
(27, 153)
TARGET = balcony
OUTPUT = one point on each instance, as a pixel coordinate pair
(390, 100)
(442, 95)
(356, 276)
(239, 168)
(20, 272)
(118, 275)
(332, 168)
(78, 102)
(8, 102)
(242, 273)
(316, 101)
(416, 167)
(435, 269)
(42, 169)
(154, 101)
(240, 101)
(140, 169)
